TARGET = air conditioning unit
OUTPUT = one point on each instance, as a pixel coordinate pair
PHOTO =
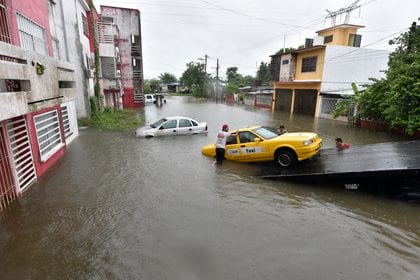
(89, 73)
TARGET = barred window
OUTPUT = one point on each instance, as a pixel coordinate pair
(328, 39)
(4, 23)
(85, 25)
(309, 64)
(66, 121)
(48, 133)
(32, 36)
(284, 62)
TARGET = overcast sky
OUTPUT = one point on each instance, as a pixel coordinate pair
(243, 33)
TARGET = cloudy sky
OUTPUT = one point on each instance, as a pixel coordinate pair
(243, 33)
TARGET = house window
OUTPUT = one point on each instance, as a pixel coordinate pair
(328, 39)
(4, 23)
(48, 134)
(284, 62)
(85, 25)
(309, 64)
(355, 40)
(32, 36)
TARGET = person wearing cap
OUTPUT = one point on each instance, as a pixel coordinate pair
(222, 135)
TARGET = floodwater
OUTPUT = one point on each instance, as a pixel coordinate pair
(120, 207)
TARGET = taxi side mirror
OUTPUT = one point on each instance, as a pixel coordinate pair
(257, 139)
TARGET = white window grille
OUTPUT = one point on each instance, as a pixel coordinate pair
(48, 132)
(66, 121)
(85, 25)
(21, 152)
(32, 36)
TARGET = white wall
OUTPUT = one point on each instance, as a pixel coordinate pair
(345, 65)
(78, 48)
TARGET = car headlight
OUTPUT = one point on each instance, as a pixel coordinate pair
(307, 142)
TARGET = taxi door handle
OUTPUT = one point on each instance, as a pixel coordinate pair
(242, 146)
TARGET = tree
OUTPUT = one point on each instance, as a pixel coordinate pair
(402, 92)
(285, 50)
(194, 77)
(264, 72)
(232, 74)
(167, 78)
(154, 85)
(146, 87)
(396, 98)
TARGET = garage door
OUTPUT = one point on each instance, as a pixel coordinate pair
(283, 99)
(305, 101)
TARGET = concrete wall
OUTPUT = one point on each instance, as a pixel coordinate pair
(41, 90)
(78, 49)
(345, 65)
(287, 71)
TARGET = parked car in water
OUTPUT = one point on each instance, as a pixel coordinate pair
(259, 143)
(177, 125)
(149, 98)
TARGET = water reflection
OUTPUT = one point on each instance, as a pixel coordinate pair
(120, 207)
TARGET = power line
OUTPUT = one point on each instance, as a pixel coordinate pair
(357, 49)
(246, 15)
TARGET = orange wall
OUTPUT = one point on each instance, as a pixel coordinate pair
(317, 75)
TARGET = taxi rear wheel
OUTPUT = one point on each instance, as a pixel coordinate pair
(285, 158)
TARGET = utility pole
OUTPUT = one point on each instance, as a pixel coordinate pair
(217, 80)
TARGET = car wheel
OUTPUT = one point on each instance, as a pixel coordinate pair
(285, 158)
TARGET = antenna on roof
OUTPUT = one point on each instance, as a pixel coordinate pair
(347, 10)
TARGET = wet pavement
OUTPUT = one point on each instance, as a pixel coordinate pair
(120, 207)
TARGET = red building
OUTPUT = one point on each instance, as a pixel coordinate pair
(129, 62)
(37, 111)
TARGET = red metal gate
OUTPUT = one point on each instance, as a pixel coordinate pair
(7, 184)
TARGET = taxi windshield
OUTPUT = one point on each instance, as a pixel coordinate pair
(265, 132)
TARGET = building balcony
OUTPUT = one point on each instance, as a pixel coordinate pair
(137, 74)
(29, 81)
(135, 50)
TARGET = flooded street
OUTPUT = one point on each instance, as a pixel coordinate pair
(120, 207)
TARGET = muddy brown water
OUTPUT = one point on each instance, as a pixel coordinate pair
(120, 207)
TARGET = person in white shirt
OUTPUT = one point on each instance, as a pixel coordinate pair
(222, 135)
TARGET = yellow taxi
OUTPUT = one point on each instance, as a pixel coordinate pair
(260, 143)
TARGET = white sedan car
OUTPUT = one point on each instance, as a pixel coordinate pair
(177, 125)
